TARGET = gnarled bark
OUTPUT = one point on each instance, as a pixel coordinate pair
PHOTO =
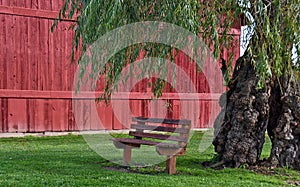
(249, 111)
(286, 136)
(242, 132)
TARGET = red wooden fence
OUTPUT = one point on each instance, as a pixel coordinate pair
(36, 79)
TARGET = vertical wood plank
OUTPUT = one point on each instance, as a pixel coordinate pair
(34, 4)
(196, 113)
(33, 51)
(5, 2)
(121, 120)
(57, 79)
(104, 114)
(31, 115)
(71, 117)
(201, 116)
(2, 52)
(44, 56)
(41, 121)
(60, 4)
(87, 115)
(24, 53)
(55, 5)
(64, 57)
(17, 118)
(56, 115)
(82, 111)
(4, 111)
(50, 125)
(13, 3)
(50, 73)
(47, 115)
(159, 108)
(27, 3)
(1, 116)
(32, 71)
(10, 53)
(20, 3)
(19, 56)
(145, 108)
(71, 67)
(177, 110)
(77, 110)
(40, 60)
(135, 107)
(44, 5)
(95, 123)
(11, 63)
(64, 119)
(59, 116)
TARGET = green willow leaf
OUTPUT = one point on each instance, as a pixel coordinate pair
(274, 27)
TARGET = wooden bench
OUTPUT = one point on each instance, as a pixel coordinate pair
(157, 131)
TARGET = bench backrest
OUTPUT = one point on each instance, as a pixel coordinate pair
(176, 131)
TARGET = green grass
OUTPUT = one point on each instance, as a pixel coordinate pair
(69, 161)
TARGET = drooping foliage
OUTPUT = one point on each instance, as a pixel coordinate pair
(273, 27)
(95, 18)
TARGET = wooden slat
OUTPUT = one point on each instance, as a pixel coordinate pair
(28, 3)
(161, 120)
(2, 50)
(17, 118)
(1, 116)
(158, 136)
(170, 95)
(104, 113)
(121, 117)
(10, 52)
(35, 94)
(25, 54)
(41, 116)
(159, 128)
(144, 142)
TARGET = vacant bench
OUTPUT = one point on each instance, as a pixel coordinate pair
(169, 136)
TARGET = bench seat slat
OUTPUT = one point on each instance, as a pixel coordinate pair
(145, 142)
(158, 136)
(159, 128)
(163, 121)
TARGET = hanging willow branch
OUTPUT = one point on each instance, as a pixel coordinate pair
(273, 28)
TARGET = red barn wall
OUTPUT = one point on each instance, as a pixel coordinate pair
(36, 77)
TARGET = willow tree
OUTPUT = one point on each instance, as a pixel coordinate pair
(263, 91)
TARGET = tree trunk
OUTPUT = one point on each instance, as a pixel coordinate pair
(242, 131)
(249, 111)
(285, 127)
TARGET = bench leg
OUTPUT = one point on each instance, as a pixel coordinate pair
(127, 155)
(171, 164)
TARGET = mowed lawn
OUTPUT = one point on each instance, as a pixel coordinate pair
(69, 161)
